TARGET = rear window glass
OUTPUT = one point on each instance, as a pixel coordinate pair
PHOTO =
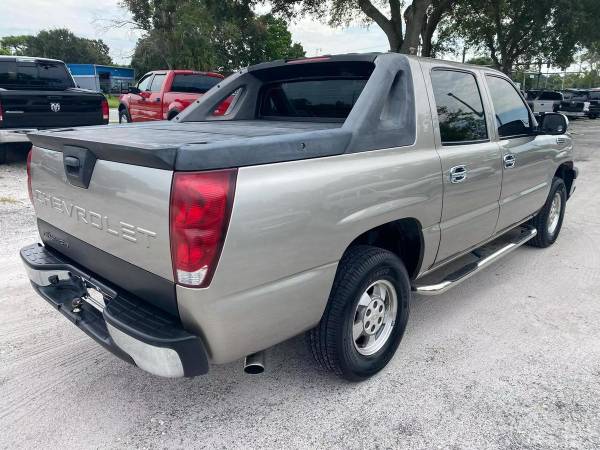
(193, 83)
(34, 75)
(328, 98)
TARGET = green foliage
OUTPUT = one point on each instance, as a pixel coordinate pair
(408, 25)
(58, 44)
(526, 31)
(481, 61)
(206, 35)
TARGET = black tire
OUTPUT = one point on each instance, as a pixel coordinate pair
(124, 116)
(3, 151)
(331, 342)
(593, 116)
(545, 237)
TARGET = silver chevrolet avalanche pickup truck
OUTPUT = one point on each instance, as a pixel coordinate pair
(331, 190)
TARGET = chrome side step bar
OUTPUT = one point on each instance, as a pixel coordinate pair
(472, 268)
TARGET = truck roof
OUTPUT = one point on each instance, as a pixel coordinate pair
(11, 58)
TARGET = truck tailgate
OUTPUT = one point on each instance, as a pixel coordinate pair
(118, 226)
(50, 109)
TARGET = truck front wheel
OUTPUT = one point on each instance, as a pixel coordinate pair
(366, 315)
(548, 221)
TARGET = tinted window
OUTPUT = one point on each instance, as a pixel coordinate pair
(34, 75)
(144, 83)
(194, 83)
(459, 106)
(157, 83)
(333, 98)
(550, 95)
(512, 116)
(594, 95)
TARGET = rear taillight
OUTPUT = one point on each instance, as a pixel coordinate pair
(29, 176)
(105, 111)
(201, 204)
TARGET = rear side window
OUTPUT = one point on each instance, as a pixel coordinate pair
(326, 99)
(459, 107)
(193, 83)
(34, 75)
(157, 83)
(512, 116)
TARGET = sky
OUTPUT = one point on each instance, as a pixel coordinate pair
(91, 19)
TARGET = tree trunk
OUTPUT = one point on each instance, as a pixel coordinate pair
(394, 40)
(414, 16)
(432, 21)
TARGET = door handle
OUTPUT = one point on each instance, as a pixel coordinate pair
(509, 161)
(157, 99)
(458, 174)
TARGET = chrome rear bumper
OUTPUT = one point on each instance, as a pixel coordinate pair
(130, 328)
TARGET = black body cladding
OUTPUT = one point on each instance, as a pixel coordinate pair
(140, 283)
(382, 117)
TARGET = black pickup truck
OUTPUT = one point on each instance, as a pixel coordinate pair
(37, 93)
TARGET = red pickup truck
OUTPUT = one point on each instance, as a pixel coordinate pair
(162, 94)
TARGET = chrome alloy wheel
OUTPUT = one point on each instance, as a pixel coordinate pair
(374, 317)
(554, 213)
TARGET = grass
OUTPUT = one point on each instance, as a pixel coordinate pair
(10, 200)
(113, 101)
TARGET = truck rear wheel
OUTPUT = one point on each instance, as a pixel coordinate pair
(366, 315)
(548, 221)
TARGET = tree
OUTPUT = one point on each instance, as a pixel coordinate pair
(16, 45)
(526, 31)
(481, 61)
(206, 35)
(58, 44)
(407, 29)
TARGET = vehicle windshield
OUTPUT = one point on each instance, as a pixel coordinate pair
(38, 74)
(326, 99)
(193, 83)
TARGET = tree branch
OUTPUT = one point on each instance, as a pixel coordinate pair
(377, 16)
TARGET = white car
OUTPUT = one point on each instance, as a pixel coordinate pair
(544, 101)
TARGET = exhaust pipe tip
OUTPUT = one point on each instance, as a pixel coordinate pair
(255, 363)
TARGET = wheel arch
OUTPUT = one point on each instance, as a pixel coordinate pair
(566, 171)
(403, 237)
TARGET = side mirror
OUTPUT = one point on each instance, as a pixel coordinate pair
(133, 90)
(553, 123)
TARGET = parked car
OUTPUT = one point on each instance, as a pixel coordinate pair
(326, 195)
(162, 94)
(544, 101)
(594, 110)
(581, 103)
(38, 93)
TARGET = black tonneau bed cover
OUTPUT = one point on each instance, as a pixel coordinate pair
(202, 145)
